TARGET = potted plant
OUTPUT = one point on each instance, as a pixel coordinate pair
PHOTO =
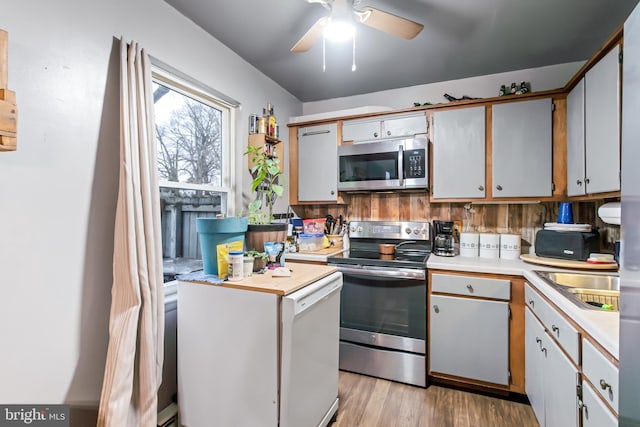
(267, 178)
(259, 259)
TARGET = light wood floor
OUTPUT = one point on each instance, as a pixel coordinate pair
(371, 402)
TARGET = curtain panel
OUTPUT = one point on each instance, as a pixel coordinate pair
(133, 370)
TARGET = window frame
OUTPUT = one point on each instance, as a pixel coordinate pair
(175, 81)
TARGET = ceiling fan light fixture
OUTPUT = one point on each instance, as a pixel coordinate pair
(339, 30)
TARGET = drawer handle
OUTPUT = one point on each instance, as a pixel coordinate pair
(470, 288)
(539, 341)
(544, 350)
(531, 303)
(436, 309)
(604, 385)
(555, 329)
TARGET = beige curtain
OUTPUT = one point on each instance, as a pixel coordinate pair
(133, 369)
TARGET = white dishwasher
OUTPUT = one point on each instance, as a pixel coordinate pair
(310, 345)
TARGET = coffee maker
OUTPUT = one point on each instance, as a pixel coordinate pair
(443, 238)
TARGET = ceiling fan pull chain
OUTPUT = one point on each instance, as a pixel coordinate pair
(353, 64)
(324, 63)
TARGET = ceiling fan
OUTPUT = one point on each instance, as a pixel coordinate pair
(342, 11)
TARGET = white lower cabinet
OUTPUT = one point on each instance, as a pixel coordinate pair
(594, 411)
(551, 377)
(469, 338)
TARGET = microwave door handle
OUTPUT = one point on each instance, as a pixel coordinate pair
(401, 165)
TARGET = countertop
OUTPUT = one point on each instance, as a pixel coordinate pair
(301, 276)
(316, 256)
(601, 325)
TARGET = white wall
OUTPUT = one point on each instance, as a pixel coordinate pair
(543, 78)
(58, 191)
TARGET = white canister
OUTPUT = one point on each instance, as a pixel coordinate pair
(235, 266)
(510, 246)
(469, 244)
(489, 245)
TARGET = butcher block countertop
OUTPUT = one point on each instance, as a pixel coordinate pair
(301, 276)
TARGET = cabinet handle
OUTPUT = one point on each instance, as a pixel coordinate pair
(481, 187)
(333, 192)
(578, 182)
(555, 329)
(587, 180)
(539, 341)
(499, 187)
(316, 132)
(375, 134)
(604, 385)
(470, 288)
(544, 350)
(388, 133)
(436, 309)
(532, 303)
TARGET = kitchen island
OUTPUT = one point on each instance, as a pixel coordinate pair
(260, 351)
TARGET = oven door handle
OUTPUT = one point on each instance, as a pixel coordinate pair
(396, 273)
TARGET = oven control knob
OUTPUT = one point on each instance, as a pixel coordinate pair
(416, 231)
(407, 230)
(359, 229)
(353, 229)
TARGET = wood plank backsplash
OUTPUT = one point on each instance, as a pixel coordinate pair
(523, 219)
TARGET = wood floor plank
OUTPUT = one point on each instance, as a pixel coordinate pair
(373, 402)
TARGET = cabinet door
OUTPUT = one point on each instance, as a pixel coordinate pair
(318, 163)
(594, 411)
(469, 338)
(361, 130)
(602, 124)
(575, 141)
(534, 366)
(459, 153)
(405, 126)
(521, 149)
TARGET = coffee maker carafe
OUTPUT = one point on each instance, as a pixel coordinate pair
(443, 243)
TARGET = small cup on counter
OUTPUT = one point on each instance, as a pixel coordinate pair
(469, 245)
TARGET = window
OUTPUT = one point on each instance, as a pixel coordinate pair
(193, 136)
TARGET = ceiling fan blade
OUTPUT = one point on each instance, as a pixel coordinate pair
(389, 23)
(310, 37)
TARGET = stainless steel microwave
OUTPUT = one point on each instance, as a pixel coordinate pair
(396, 164)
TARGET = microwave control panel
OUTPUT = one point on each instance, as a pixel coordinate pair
(415, 163)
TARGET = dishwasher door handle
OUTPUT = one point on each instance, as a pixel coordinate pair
(316, 292)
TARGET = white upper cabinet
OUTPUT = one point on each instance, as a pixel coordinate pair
(397, 126)
(575, 141)
(521, 149)
(318, 163)
(602, 124)
(400, 126)
(361, 130)
(459, 153)
(593, 129)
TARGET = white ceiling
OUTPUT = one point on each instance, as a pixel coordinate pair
(461, 38)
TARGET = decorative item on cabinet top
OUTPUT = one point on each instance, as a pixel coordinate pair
(8, 108)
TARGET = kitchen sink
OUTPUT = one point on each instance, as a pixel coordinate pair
(587, 291)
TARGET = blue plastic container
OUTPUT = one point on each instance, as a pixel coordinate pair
(218, 231)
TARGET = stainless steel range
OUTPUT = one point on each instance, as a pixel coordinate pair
(383, 321)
